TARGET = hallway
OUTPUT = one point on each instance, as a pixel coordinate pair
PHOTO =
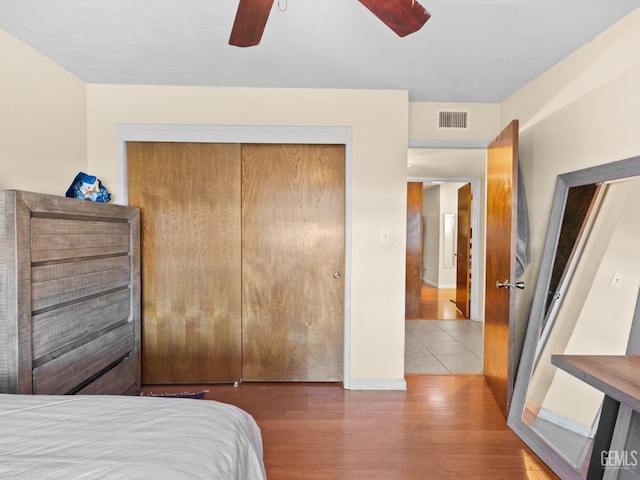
(438, 304)
(443, 346)
(442, 341)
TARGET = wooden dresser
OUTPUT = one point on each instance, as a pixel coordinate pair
(69, 296)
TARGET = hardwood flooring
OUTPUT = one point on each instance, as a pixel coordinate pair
(436, 304)
(442, 427)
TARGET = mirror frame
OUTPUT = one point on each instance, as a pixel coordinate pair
(629, 167)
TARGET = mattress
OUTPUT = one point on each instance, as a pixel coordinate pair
(116, 437)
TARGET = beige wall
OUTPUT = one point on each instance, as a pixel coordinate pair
(377, 190)
(53, 125)
(585, 111)
(42, 121)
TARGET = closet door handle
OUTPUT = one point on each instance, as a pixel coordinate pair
(337, 275)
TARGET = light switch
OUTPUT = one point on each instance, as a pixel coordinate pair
(616, 280)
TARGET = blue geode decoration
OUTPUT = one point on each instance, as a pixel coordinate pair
(88, 187)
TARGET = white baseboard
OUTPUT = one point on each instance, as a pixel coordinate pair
(436, 285)
(378, 384)
(565, 422)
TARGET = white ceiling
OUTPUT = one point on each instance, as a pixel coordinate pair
(469, 51)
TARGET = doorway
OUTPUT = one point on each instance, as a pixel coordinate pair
(439, 338)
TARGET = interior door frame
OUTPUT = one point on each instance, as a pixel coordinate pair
(252, 134)
(475, 313)
(464, 249)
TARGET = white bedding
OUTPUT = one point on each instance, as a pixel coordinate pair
(111, 437)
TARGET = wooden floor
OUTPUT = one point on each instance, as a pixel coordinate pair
(436, 304)
(442, 427)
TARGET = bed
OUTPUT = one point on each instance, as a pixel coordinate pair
(65, 437)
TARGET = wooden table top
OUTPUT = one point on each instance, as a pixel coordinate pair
(618, 376)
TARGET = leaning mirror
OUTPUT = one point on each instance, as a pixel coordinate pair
(585, 303)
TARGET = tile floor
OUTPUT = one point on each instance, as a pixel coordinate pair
(443, 346)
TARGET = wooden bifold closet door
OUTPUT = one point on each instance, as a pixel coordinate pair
(242, 261)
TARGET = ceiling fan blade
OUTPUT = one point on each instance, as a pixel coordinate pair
(249, 23)
(401, 16)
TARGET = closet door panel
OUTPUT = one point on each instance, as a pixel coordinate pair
(292, 262)
(189, 196)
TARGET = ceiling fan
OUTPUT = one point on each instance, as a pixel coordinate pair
(401, 16)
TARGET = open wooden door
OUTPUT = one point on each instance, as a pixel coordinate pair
(413, 274)
(499, 313)
(463, 251)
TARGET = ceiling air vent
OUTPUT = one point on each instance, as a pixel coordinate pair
(453, 120)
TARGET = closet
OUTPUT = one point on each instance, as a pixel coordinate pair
(242, 261)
